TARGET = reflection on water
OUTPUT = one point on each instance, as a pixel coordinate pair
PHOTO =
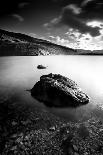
(22, 73)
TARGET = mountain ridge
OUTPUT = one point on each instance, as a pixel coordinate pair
(23, 44)
(19, 44)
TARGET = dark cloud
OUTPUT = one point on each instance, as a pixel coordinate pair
(92, 10)
(78, 14)
(74, 14)
(71, 16)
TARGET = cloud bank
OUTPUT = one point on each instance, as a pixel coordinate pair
(77, 16)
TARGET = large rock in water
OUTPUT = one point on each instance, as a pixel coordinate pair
(58, 91)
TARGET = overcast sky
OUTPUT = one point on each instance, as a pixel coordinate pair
(73, 23)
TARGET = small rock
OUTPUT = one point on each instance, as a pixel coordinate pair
(67, 131)
(86, 153)
(41, 67)
(52, 128)
(14, 123)
(14, 148)
(75, 148)
(101, 130)
(18, 140)
(26, 122)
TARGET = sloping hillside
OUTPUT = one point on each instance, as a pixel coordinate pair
(21, 44)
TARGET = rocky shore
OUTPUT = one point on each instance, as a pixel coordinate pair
(26, 129)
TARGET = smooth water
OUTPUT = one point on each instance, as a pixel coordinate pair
(20, 73)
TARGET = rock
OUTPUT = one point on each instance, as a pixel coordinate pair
(14, 123)
(26, 122)
(41, 67)
(86, 153)
(14, 148)
(101, 130)
(58, 91)
(75, 148)
(52, 128)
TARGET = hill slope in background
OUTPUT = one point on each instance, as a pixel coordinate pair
(18, 44)
(21, 44)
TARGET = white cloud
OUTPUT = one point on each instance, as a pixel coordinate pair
(85, 2)
(33, 35)
(76, 40)
(74, 8)
(53, 23)
(59, 40)
(18, 17)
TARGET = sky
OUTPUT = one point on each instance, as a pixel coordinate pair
(72, 23)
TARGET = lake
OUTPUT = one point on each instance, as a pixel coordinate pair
(20, 73)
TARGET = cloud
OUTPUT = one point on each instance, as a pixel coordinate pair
(77, 16)
(18, 17)
(85, 2)
(73, 8)
(64, 42)
(56, 22)
(59, 40)
(76, 40)
(92, 10)
(33, 35)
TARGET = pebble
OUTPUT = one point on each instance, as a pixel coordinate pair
(75, 148)
(52, 128)
(14, 148)
(101, 130)
(26, 122)
(14, 123)
(67, 131)
(86, 153)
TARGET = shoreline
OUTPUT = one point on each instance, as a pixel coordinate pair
(26, 129)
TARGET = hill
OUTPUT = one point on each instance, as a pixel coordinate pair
(18, 44)
(21, 44)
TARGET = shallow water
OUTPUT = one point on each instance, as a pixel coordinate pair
(18, 74)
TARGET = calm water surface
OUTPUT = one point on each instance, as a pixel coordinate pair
(17, 74)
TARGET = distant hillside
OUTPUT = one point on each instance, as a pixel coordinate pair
(89, 52)
(18, 44)
(21, 44)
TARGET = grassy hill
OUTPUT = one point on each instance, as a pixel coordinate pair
(21, 44)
